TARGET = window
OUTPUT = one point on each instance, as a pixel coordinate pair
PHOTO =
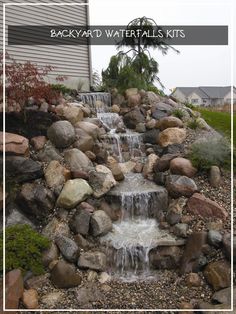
(194, 100)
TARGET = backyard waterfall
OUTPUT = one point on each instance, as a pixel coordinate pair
(139, 199)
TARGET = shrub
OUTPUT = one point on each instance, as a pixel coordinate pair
(23, 249)
(189, 105)
(193, 124)
(61, 88)
(212, 151)
(178, 113)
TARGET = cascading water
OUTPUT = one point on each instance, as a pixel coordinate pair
(92, 98)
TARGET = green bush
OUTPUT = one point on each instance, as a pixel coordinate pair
(193, 124)
(189, 105)
(212, 151)
(61, 88)
(178, 113)
(23, 249)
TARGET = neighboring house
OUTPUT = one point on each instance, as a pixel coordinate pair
(73, 61)
(205, 95)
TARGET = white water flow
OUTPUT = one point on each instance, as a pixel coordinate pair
(92, 98)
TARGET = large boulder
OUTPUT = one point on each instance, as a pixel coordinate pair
(22, 169)
(198, 204)
(80, 221)
(151, 136)
(61, 134)
(55, 174)
(218, 274)
(73, 114)
(131, 92)
(51, 254)
(68, 248)
(169, 122)
(89, 128)
(133, 117)
(64, 275)
(182, 166)
(49, 153)
(134, 100)
(77, 160)
(172, 136)
(74, 192)
(14, 144)
(84, 141)
(179, 186)
(35, 200)
(16, 217)
(55, 228)
(92, 260)
(160, 110)
(163, 163)
(14, 288)
(101, 180)
(151, 98)
(100, 223)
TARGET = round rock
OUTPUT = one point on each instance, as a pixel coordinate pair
(61, 134)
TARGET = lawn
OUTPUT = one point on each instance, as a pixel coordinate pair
(221, 121)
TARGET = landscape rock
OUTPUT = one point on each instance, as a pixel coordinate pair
(177, 149)
(169, 122)
(35, 200)
(171, 136)
(214, 238)
(37, 282)
(16, 217)
(84, 141)
(74, 192)
(179, 186)
(223, 296)
(52, 299)
(218, 274)
(80, 221)
(64, 275)
(151, 98)
(174, 212)
(193, 280)
(215, 176)
(73, 114)
(61, 134)
(55, 174)
(14, 289)
(165, 257)
(149, 165)
(14, 144)
(22, 169)
(151, 124)
(115, 108)
(68, 248)
(151, 136)
(101, 180)
(133, 117)
(130, 92)
(30, 299)
(104, 277)
(180, 230)
(163, 163)
(55, 228)
(202, 124)
(93, 260)
(77, 160)
(88, 295)
(134, 100)
(226, 242)
(49, 153)
(192, 252)
(182, 166)
(51, 254)
(38, 142)
(100, 223)
(140, 127)
(198, 204)
(82, 242)
(89, 128)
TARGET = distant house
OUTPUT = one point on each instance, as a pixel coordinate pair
(205, 95)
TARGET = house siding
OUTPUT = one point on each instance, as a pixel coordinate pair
(179, 95)
(68, 60)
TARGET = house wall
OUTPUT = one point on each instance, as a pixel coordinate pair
(195, 99)
(227, 98)
(179, 95)
(71, 61)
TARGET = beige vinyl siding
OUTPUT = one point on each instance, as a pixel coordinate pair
(72, 61)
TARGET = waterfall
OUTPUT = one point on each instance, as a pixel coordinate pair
(92, 98)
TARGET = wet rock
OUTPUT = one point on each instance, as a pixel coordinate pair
(192, 252)
(171, 136)
(80, 221)
(174, 212)
(55, 228)
(165, 257)
(30, 299)
(84, 141)
(38, 142)
(151, 136)
(68, 248)
(193, 280)
(51, 254)
(101, 153)
(52, 299)
(160, 178)
(163, 164)
(115, 108)
(179, 186)
(100, 223)
(101, 180)
(117, 172)
(14, 289)
(218, 274)
(223, 296)
(55, 174)
(14, 144)
(149, 166)
(77, 160)
(64, 275)
(198, 204)
(128, 166)
(111, 209)
(74, 192)
(35, 200)
(133, 117)
(93, 260)
(182, 166)
(22, 169)
(61, 134)
(180, 230)
(214, 238)
(49, 153)
(89, 128)
(215, 176)
(169, 122)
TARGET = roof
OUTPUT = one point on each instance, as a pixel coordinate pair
(206, 91)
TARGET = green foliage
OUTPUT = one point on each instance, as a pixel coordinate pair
(61, 88)
(178, 113)
(23, 249)
(189, 105)
(96, 82)
(193, 124)
(213, 151)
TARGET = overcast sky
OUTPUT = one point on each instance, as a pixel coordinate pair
(195, 65)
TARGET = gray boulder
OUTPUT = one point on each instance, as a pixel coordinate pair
(61, 134)
(100, 223)
(49, 153)
(92, 260)
(77, 160)
(214, 238)
(178, 186)
(132, 118)
(79, 223)
(68, 248)
(64, 275)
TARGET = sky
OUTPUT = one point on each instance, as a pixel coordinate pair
(195, 65)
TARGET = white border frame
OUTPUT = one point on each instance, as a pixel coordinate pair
(231, 43)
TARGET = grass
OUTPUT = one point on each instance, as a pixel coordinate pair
(220, 121)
